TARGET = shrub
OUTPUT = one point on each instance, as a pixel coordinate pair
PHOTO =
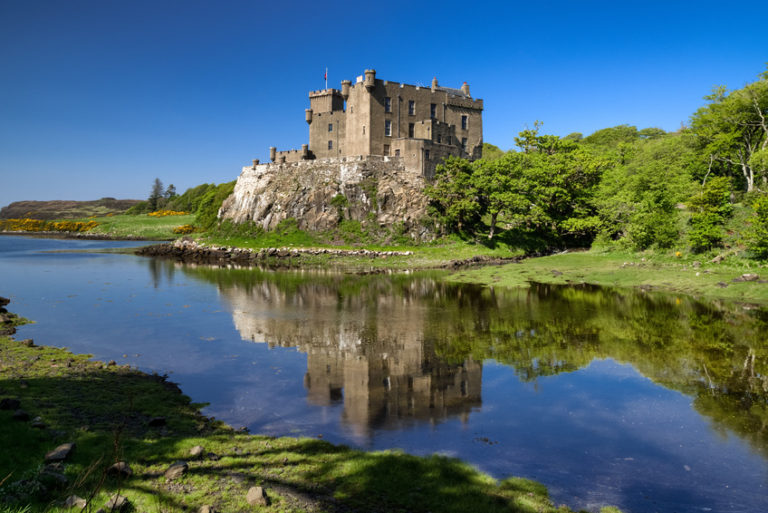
(184, 229)
(38, 225)
(165, 213)
(208, 209)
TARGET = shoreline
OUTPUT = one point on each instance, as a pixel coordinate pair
(159, 444)
(79, 235)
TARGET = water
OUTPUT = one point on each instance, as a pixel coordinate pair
(647, 402)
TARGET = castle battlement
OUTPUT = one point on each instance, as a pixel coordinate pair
(372, 117)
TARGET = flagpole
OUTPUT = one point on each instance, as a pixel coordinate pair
(326, 78)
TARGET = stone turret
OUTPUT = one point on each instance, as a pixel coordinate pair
(272, 153)
(434, 84)
(345, 85)
(465, 88)
(370, 78)
(308, 115)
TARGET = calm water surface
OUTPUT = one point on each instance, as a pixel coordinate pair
(647, 402)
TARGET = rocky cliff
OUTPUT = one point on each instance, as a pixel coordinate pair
(376, 191)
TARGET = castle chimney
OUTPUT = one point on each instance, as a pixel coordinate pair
(370, 78)
(465, 88)
(345, 85)
(272, 153)
(434, 84)
(308, 115)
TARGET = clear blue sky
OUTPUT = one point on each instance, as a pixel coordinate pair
(97, 98)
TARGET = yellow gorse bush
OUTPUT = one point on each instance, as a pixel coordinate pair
(163, 213)
(39, 225)
(184, 229)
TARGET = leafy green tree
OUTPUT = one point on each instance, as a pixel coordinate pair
(610, 138)
(574, 136)
(454, 199)
(492, 152)
(709, 211)
(495, 182)
(637, 201)
(758, 237)
(170, 192)
(733, 131)
(156, 195)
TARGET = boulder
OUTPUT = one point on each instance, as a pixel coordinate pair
(27, 342)
(60, 453)
(256, 496)
(9, 403)
(21, 415)
(157, 422)
(120, 469)
(206, 509)
(4, 301)
(196, 452)
(116, 503)
(73, 501)
(176, 470)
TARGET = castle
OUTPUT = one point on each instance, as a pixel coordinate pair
(373, 117)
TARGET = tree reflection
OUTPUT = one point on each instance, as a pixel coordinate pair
(402, 348)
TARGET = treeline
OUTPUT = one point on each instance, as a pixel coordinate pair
(203, 200)
(702, 188)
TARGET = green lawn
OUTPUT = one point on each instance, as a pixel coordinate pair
(687, 274)
(140, 226)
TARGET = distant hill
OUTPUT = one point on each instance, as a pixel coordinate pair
(62, 209)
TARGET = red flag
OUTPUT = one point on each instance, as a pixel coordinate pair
(325, 76)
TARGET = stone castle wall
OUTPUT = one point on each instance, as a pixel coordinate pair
(376, 190)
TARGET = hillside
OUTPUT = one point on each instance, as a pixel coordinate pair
(63, 209)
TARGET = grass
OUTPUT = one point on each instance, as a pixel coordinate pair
(105, 410)
(688, 274)
(140, 226)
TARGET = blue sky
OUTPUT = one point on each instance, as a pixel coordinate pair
(97, 98)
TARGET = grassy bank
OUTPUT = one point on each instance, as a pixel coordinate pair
(112, 413)
(686, 274)
(113, 226)
(141, 226)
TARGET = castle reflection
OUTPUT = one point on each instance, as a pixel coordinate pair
(365, 348)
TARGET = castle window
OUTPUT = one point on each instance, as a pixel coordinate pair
(330, 145)
(411, 108)
(411, 129)
(426, 154)
(439, 139)
(463, 143)
(386, 149)
(330, 127)
(463, 122)
(449, 140)
(388, 127)
(433, 110)
(387, 104)
(397, 152)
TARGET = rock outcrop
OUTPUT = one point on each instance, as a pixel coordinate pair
(376, 191)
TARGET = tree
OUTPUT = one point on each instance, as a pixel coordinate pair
(733, 131)
(170, 192)
(492, 152)
(454, 199)
(758, 238)
(709, 211)
(156, 195)
(637, 201)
